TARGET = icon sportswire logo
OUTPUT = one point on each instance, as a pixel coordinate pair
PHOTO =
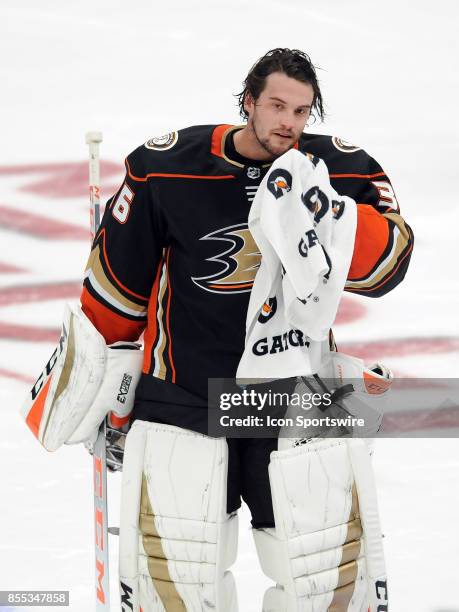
(238, 260)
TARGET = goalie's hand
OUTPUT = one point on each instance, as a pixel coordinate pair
(343, 403)
(115, 438)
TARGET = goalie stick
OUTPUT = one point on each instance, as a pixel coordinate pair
(100, 452)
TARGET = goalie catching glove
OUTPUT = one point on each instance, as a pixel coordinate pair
(351, 390)
(83, 381)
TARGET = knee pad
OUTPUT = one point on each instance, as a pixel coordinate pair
(176, 539)
(325, 552)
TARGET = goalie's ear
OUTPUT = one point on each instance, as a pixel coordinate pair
(62, 402)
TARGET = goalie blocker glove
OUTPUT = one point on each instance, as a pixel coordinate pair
(83, 381)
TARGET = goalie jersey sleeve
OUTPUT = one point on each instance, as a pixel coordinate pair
(384, 241)
(125, 256)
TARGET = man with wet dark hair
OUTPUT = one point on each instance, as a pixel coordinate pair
(291, 62)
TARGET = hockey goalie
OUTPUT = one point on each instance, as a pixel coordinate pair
(229, 248)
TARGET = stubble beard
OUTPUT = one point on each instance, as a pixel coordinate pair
(264, 143)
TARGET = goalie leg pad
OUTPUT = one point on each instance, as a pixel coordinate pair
(325, 551)
(176, 539)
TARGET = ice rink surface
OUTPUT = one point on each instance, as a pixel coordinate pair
(136, 70)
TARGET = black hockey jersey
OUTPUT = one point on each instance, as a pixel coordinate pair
(174, 258)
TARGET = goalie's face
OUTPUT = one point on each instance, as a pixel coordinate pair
(278, 116)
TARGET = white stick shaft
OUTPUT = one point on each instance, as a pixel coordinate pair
(100, 450)
(101, 523)
(93, 139)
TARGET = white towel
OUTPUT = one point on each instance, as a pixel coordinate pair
(305, 233)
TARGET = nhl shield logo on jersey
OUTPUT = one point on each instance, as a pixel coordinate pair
(279, 182)
(253, 172)
(344, 146)
(162, 143)
(268, 310)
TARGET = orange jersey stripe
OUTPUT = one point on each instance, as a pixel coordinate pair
(137, 295)
(152, 327)
(34, 417)
(112, 326)
(224, 287)
(385, 279)
(217, 141)
(216, 146)
(186, 176)
(371, 239)
(145, 178)
(168, 316)
(364, 176)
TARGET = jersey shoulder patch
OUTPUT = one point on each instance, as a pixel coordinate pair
(340, 156)
(162, 143)
(184, 151)
(344, 146)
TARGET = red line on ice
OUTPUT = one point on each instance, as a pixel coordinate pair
(413, 420)
(28, 333)
(21, 294)
(10, 269)
(40, 226)
(62, 180)
(349, 310)
(16, 376)
(399, 347)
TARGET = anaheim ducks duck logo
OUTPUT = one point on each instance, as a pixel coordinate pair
(279, 182)
(238, 264)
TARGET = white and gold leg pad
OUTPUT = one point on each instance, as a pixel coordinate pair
(176, 539)
(325, 553)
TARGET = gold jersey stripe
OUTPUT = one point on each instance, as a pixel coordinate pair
(386, 266)
(118, 300)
